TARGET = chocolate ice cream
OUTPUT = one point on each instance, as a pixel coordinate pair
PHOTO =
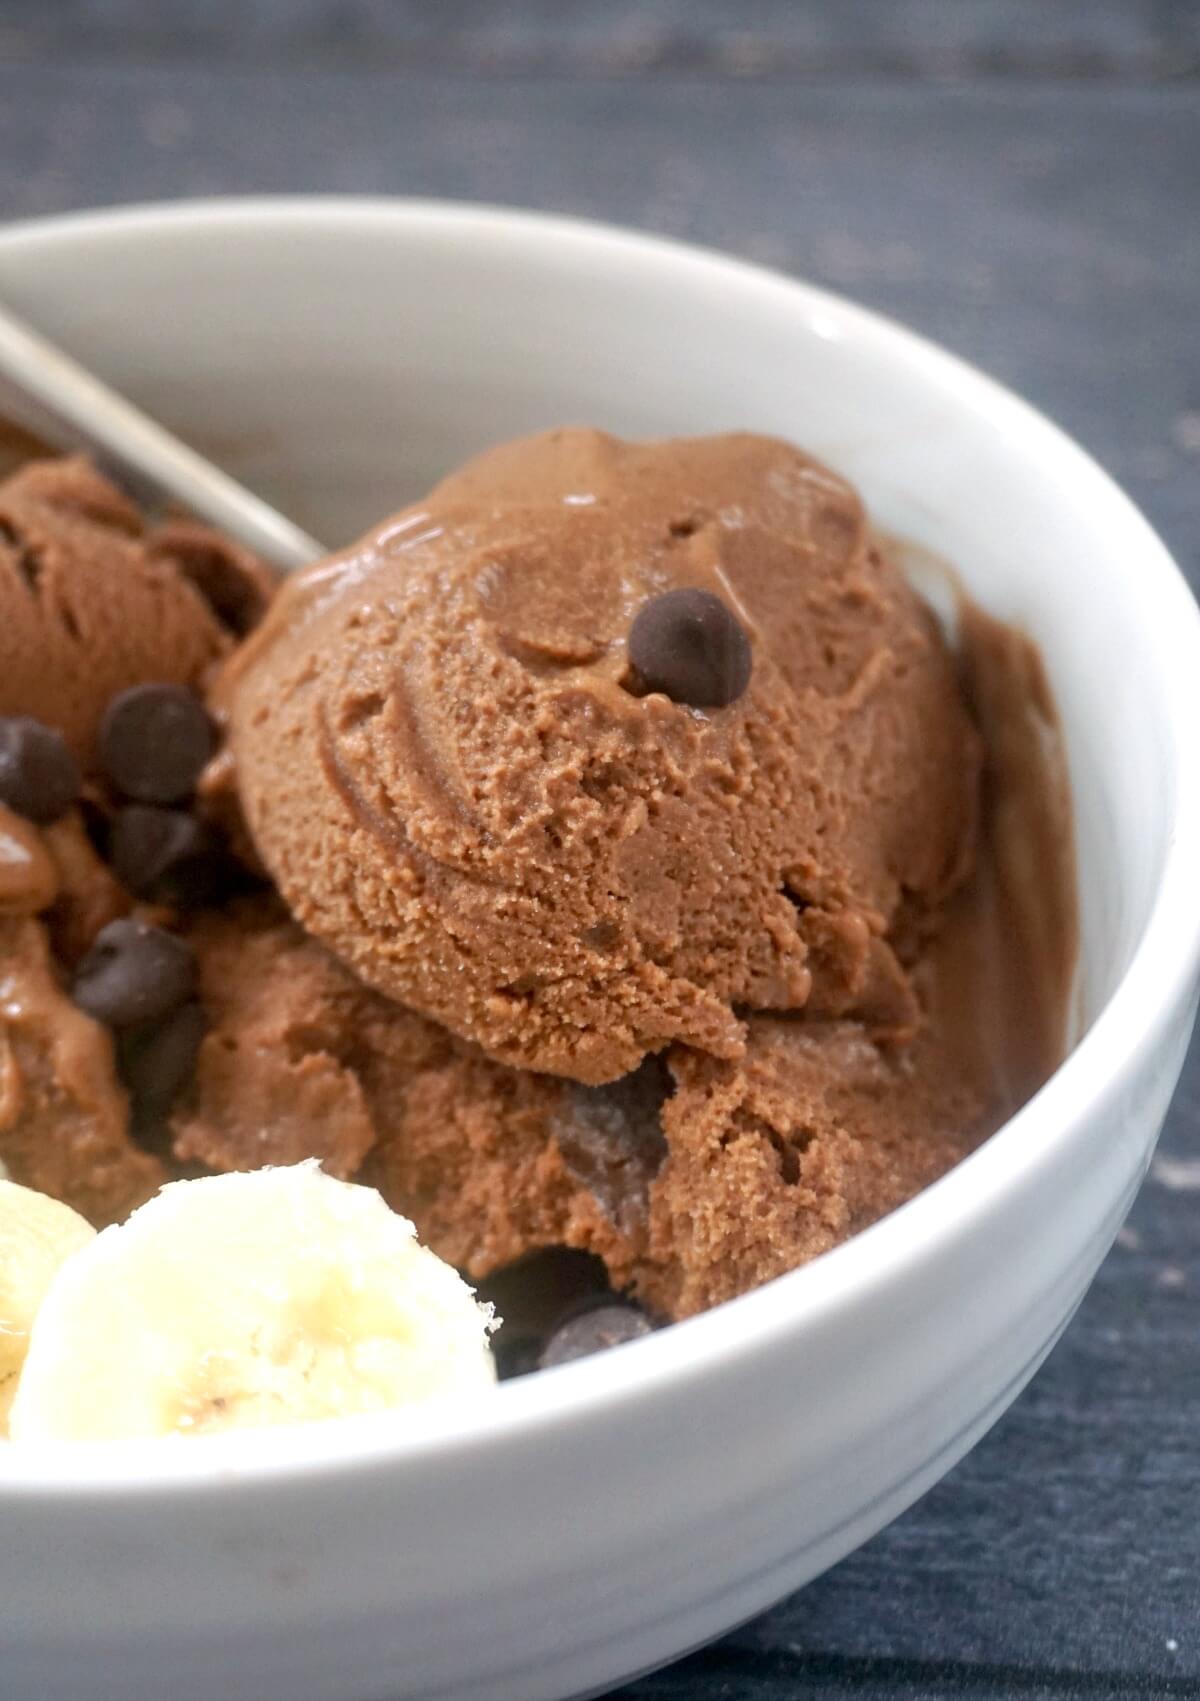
(644, 765)
(301, 1059)
(63, 1112)
(464, 780)
(693, 1179)
(697, 1177)
(662, 885)
(109, 628)
(89, 605)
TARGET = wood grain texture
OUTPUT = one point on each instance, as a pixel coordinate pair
(923, 39)
(1021, 181)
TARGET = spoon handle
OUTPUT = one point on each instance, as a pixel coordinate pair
(156, 465)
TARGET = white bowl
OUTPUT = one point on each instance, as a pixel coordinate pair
(598, 1519)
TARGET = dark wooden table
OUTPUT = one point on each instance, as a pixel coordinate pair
(1022, 181)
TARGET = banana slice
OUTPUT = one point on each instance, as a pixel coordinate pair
(37, 1234)
(277, 1296)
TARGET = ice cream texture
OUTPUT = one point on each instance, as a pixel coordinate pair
(93, 601)
(706, 990)
(629, 864)
(459, 785)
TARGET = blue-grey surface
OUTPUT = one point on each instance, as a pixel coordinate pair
(1020, 180)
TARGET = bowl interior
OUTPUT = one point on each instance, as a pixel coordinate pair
(340, 358)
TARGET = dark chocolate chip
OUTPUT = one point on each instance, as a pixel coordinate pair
(39, 776)
(134, 973)
(533, 1295)
(611, 1139)
(593, 1331)
(168, 857)
(158, 1059)
(689, 646)
(155, 741)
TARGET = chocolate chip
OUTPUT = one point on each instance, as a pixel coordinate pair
(611, 1139)
(134, 973)
(594, 1330)
(533, 1295)
(155, 741)
(688, 645)
(39, 776)
(168, 857)
(158, 1059)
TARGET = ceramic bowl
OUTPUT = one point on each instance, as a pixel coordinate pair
(598, 1519)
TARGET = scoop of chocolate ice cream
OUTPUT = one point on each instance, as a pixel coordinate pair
(573, 853)
(93, 601)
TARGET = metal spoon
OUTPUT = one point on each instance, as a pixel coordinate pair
(79, 411)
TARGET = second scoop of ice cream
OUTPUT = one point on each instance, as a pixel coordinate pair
(463, 786)
(94, 601)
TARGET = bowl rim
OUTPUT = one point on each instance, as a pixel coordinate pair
(1155, 986)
